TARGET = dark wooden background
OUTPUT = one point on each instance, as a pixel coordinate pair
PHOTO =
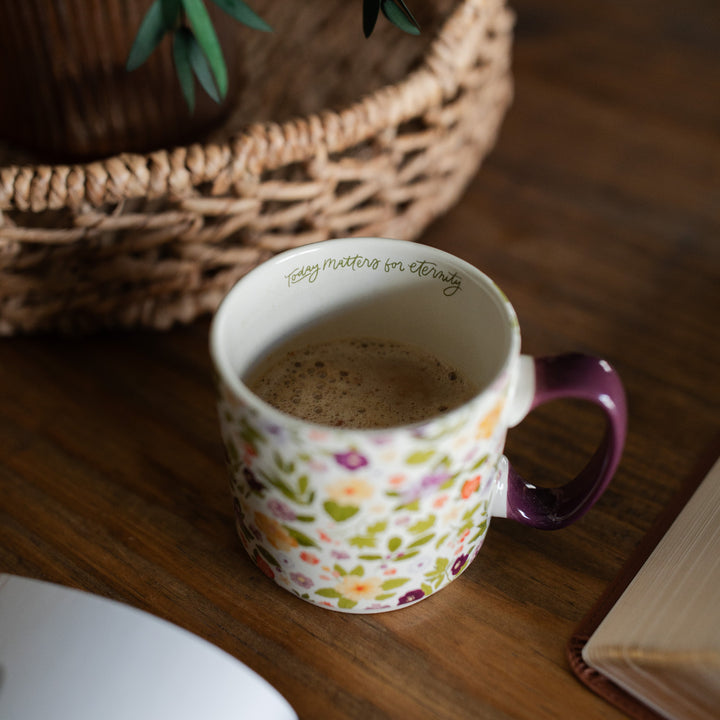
(599, 215)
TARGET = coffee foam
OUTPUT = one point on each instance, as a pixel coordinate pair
(359, 383)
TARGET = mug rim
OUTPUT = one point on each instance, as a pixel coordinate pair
(232, 380)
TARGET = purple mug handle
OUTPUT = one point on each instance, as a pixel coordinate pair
(585, 378)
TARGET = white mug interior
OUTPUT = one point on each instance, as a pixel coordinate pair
(367, 287)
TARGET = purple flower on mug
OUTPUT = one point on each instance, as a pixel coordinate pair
(352, 460)
(459, 564)
(427, 485)
(411, 596)
(281, 511)
(340, 554)
(302, 580)
(253, 483)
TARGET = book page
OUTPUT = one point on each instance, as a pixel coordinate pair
(661, 640)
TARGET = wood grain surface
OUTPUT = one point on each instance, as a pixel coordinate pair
(599, 215)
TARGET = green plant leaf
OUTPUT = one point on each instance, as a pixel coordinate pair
(182, 42)
(150, 33)
(371, 9)
(400, 16)
(204, 33)
(204, 75)
(242, 12)
(171, 13)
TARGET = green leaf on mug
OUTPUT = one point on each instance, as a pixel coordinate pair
(303, 484)
(340, 570)
(482, 528)
(302, 539)
(378, 527)
(370, 557)
(339, 513)
(419, 457)
(406, 556)
(393, 583)
(427, 589)
(422, 525)
(422, 541)
(362, 541)
(384, 596)
(358, 571)
(346, 603)
(328, 593)
(394, 543)
(268, 557)
(479, 463)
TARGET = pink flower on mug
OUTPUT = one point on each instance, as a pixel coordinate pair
(350, 491)
(352, 460)
(309, 558)
(358, 588)
(439, 501)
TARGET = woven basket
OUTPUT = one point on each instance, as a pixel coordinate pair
(349, 137)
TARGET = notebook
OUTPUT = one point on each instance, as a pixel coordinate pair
(652, 644)
(69, 654)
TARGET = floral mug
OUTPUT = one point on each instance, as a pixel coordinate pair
(370, 520)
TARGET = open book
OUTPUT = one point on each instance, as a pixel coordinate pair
(659, 639)
(70, 654)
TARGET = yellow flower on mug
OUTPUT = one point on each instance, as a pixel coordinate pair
(487, 424)
(359, 588)
(350, 491)
(275, 533)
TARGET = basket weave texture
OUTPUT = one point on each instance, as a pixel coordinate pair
(156, 239)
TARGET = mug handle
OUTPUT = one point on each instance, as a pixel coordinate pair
(564, 376)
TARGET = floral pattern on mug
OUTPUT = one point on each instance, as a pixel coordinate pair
(340, 522)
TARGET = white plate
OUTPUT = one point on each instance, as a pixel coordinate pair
(67, 654)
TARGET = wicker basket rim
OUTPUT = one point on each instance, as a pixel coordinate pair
(259, 146)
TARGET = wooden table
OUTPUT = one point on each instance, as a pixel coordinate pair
(599, 215)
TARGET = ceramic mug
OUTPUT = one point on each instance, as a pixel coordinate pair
(372, 520)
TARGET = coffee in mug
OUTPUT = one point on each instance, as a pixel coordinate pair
(358, 382)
